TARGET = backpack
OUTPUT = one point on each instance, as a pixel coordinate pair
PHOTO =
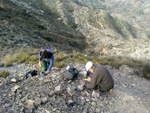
(71, 74)
(31, 73)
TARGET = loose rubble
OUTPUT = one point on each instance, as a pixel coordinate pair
(52, 93)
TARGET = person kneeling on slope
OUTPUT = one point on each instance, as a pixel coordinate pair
(101, 80)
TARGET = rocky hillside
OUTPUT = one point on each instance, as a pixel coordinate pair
(136, 11)
(25, 25)
(109, 34)
(54, 94)
(74, 24)
(95, 27)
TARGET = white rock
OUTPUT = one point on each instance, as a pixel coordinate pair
(44, 100)
(71, 91)
(96, 94)
(80, 87)
(58, 89)
(13, 80)
(71, 102)
(13, 89)
(46, 111)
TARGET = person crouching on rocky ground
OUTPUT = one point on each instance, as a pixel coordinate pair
(101, 79)
(47, 58)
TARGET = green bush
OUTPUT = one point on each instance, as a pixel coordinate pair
(4, 73)
(74, 25)
(1, 64)
(48, 38)
(41, 27)
(73, 44)
(146, 70)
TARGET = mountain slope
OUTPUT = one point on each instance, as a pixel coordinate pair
(106, 34)
(137, 11)
(72, 24)
(25, 25)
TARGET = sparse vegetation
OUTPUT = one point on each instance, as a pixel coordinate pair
(74, 25)
(146, 70)
(49, 38)
(1, 64)
(21, 57)
(73, 43)
(59, 64)
(41, 27)
(60, 56)
(63, 58)
(4, 73)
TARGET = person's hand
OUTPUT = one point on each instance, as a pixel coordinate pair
(89, 79)
(82, 83)
(40, 63)
(46, 72)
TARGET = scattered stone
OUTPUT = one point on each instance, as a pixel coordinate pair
(82, 100)
(30, 96)
(87, 100)
(44, 100)
(30, 106)
(46, 111)
(51, 93)
(70, 103)
(13, 89)
(95, 94)
(37, 102)
(13, 80)
(2, 81)
(93, 104)
(80, 87)
(71, 91)
(58, 90)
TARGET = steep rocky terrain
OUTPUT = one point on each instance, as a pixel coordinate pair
(25, 26)
(74, 24)
(54, 94)
(95, 27)
(109, 34)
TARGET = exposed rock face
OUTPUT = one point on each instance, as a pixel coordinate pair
(130, 94)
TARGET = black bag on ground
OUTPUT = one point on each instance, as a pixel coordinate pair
(71, 73)
(32, 73)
